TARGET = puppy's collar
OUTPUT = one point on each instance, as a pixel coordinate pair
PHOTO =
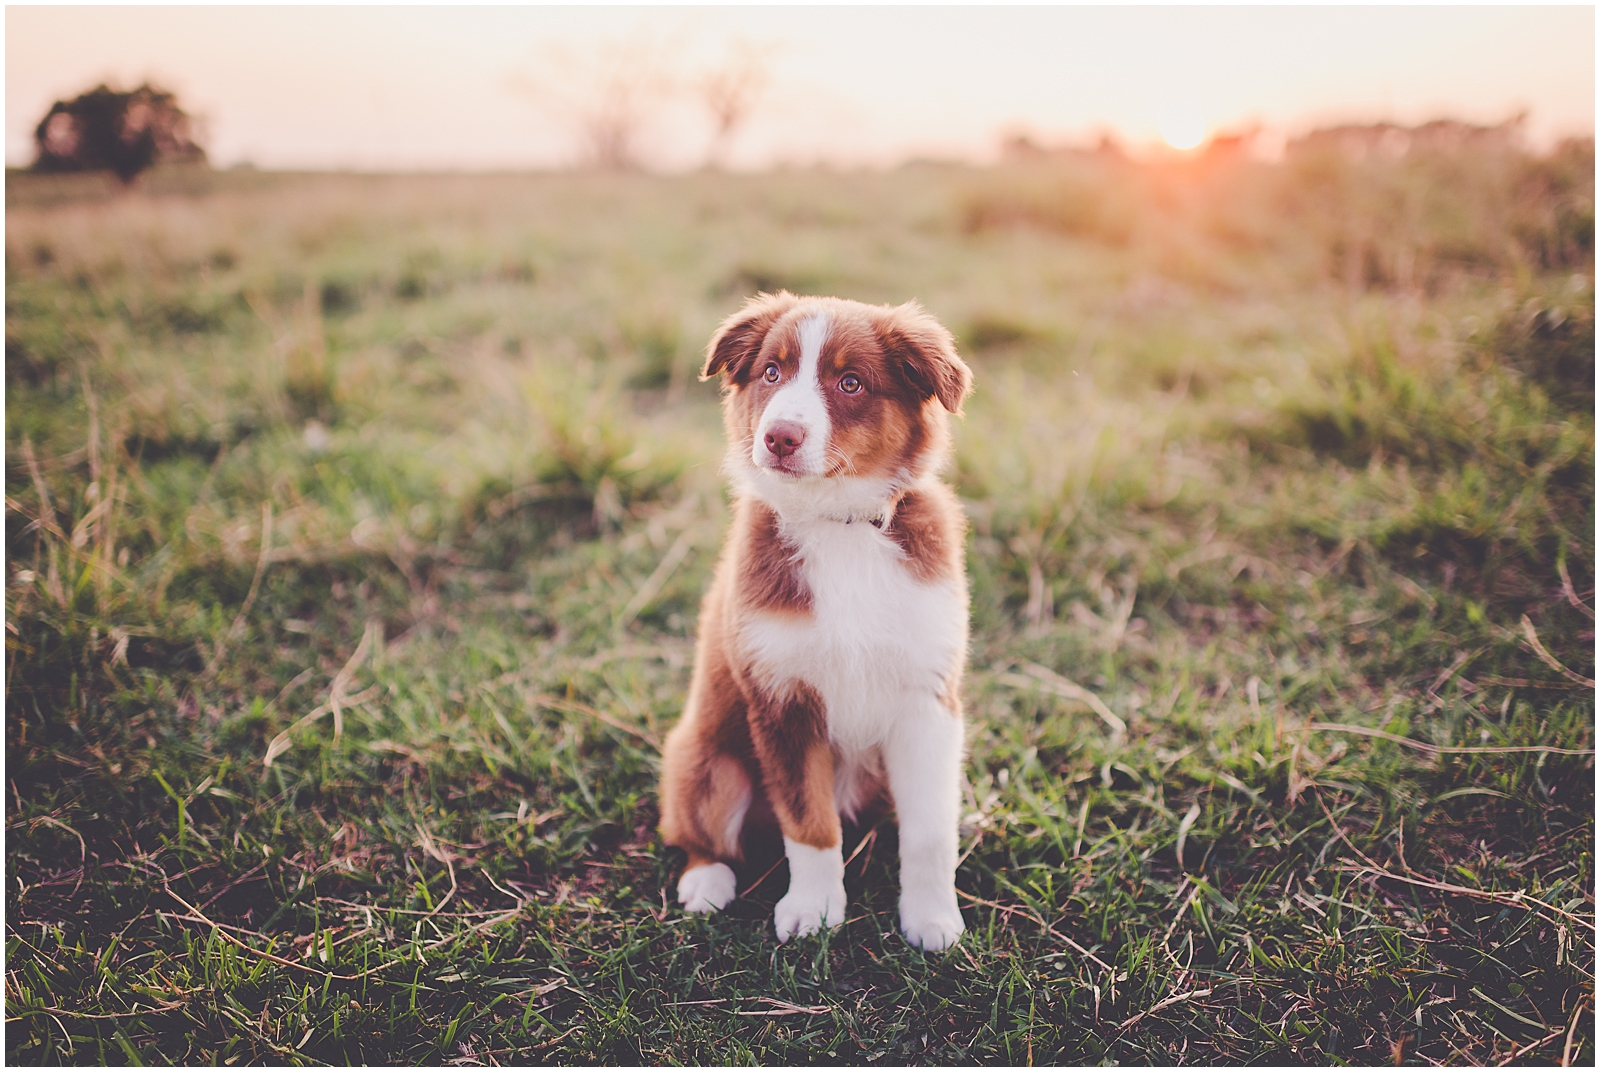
(876, 522)
(878, 519)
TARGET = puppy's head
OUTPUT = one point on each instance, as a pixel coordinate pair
(819, 389)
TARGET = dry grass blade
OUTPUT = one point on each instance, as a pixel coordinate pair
(708, 1001)
(1026, 914)
(338, 697)
(753, 886)
(337, 692)
(35, 522)
(1522, 683)
(1184, 826)
(1572, 596)
(428, 846)
(47, 513)
(1040, 609)
(1566, 1047)
(1517, 1055)
(559, 1038)
(1447, 673)
(83, 850)
(1550, 660)
(784, 1008)
(476, 928)
(1164, 1003)
(558, 704)
(1514, 899)
(1177, 917)
(658, 578)
(1435, 749)
(1042, 677)
(360, 906)
(51, 1010)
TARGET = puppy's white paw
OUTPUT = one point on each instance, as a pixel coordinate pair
(805, 913)
(707, 888)
(933, 933)
(930, 919)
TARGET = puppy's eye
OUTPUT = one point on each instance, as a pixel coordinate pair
(850, 383)
(772, 374)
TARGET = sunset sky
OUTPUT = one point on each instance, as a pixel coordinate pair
(504, 87)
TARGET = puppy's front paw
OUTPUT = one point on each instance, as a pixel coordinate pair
(934, 933)
(930, 920)
(806, 913)
(707, 888)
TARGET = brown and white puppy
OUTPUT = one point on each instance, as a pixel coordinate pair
(832, 641)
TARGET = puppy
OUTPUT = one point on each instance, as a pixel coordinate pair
(833, 638)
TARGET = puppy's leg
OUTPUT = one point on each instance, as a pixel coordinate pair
(703, 803)
(922, 759)
(708, 884)
(791, 741)
(705, 794)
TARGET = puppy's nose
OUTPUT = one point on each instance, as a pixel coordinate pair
(784, 438)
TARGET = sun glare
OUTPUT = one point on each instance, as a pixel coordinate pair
(1183, 131)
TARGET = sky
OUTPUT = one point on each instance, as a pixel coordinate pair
(400, 88)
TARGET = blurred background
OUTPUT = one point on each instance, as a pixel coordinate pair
(360, 494)
(749, 88)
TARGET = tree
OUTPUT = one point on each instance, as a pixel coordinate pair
(609, 95)
(626, 99)
(729, 93)
(121, 132)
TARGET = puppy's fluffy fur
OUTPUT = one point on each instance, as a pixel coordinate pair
(832, 641)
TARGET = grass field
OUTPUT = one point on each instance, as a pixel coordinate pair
(356, 528)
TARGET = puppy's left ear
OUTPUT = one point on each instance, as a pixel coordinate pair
(920, 348)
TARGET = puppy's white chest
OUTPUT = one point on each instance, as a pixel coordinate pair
(878, 643)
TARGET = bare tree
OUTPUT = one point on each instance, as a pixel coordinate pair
(730, 93)
(614, 95)
(608, 96)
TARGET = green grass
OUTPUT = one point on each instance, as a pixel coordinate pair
(408, 484)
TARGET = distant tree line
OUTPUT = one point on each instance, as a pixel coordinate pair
(121, 132)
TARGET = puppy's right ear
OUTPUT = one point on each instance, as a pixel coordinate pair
(734, 347)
